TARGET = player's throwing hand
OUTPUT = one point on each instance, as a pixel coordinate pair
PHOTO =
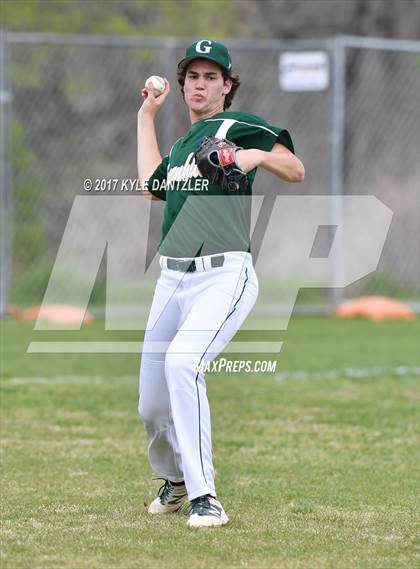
(152, 101)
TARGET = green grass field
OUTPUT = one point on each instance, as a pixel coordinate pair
(317, 463)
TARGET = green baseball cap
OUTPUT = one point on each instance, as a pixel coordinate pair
(208, 49)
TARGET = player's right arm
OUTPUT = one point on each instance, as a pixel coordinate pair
(148, 153)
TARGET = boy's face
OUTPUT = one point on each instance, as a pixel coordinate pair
(204, 87)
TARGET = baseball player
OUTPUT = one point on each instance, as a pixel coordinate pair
(208, 284)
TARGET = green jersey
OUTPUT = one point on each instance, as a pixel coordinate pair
(199, 217)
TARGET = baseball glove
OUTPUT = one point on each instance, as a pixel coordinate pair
(216, 161)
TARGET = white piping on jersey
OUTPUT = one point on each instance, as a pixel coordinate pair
(224, 127)
(172, 147)
(231, 121)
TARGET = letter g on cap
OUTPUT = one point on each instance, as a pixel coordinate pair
(203, 49)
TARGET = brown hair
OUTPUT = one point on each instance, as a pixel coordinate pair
(182, 72)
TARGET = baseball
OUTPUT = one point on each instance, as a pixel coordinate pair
(158, 84)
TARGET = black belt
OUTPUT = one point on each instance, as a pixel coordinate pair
(191, 266)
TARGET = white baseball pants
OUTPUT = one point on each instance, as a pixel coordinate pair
(193, 317)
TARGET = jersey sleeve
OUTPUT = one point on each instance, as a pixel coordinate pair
(253, 132)
(156, 184)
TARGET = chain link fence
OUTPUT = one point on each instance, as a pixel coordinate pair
(68, 109)
(381, 158)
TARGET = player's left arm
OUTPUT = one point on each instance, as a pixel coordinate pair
(280, 161)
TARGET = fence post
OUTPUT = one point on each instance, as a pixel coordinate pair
(5, 177)
(169, 110)
(337, 128)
